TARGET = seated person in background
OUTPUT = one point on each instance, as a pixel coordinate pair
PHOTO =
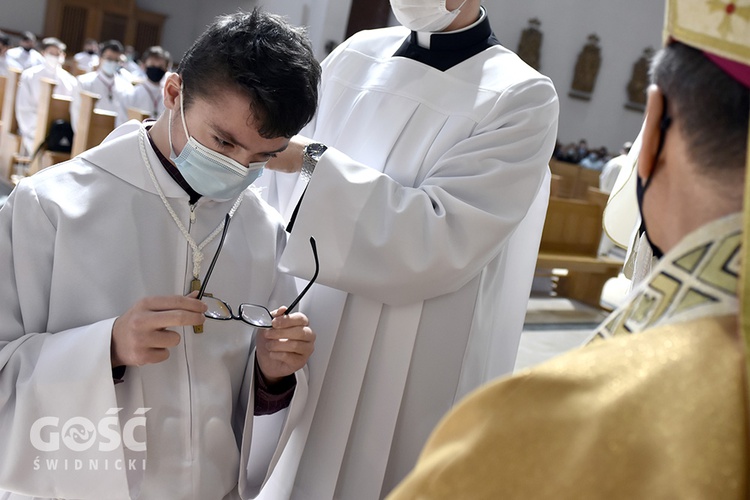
(26, 54)
(27, 98)
(131, 65)
(6, 62)
(113, 90)
(88, 59)
(568, 153)
(581, 151)
(147, 95)
(661, 409)
(593, 160)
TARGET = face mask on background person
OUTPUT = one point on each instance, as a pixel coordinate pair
(109, 68)
(424, 15)
(155, 73)
(209, 172)
(53, 61)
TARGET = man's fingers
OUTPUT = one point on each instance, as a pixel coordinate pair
(288, 358)
(165, 319)
(143, 334)
(282, 321)
(156, 355)
(173, 302)
(303, 333)
(164, 339)
(293, 346)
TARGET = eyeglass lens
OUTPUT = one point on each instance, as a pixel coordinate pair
(255, 315)
(250, 313)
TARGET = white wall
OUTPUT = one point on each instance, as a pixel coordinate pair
(624, 28)
(325, 19)
(188, 18)
(23, 15)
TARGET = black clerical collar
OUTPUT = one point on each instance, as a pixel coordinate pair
(173, 172)
(446, 49)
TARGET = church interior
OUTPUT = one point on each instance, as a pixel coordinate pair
(596, 55)
(457, 202)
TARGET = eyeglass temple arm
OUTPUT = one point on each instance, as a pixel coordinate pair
(310, 283)
(227, 218)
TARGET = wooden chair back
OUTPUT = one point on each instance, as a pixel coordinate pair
(572, 227)
(50, 108)
(3, 81)
(93, 124)
(10, 140)
(575, 179)
(138, 114)
(597, 197)
(8, 117)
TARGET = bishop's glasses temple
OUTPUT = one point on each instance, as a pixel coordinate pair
(252, 314)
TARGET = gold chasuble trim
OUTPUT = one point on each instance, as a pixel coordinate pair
(745, 275)
(696, 279)
(722, 28)
(719, 26)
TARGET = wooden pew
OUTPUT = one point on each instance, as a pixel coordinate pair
(574, 179)
(138, 114)
(570, 240)
(93, 124)
(597, 196)
(50, 108)
(3, 80)
(10, 140)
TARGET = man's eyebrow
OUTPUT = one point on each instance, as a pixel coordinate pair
(226, 135)
(282, 148)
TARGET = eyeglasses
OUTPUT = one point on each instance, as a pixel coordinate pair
(252, 314)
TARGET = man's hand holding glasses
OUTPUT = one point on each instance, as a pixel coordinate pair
(283, 341)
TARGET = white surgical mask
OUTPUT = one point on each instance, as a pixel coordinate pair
(109, 68)
(52, 61)
(424, 15)
(209, 172)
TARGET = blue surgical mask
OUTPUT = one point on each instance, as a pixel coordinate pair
(109, 68)
(209, 172)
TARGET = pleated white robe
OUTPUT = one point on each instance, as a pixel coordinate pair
(80, 243)
(427, 209)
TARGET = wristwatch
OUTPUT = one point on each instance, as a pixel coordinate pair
(310, 156)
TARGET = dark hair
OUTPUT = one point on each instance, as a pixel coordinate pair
(157, 52)
(53, 42)
(711, 106)
(263, 56)
(113, 45)
(4, 39)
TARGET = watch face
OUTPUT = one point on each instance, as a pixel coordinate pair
(315, 150)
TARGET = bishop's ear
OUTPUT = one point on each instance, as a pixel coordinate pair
(651, 132)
